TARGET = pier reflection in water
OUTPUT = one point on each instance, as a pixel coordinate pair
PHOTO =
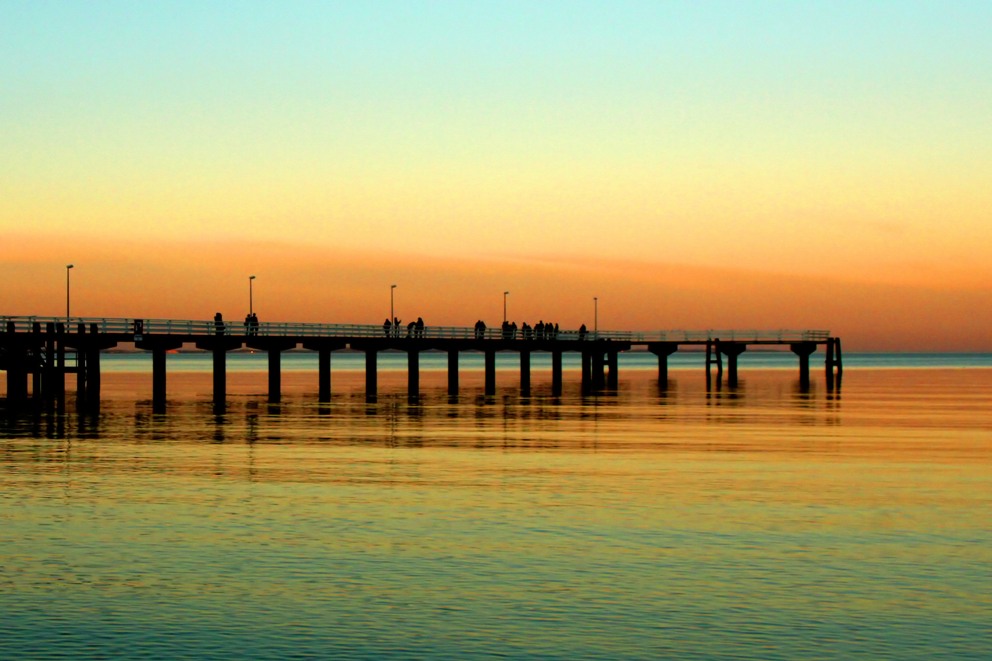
(768, 520)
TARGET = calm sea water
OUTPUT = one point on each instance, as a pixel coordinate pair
(765, 522)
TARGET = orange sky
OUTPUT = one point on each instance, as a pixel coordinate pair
(765, 164)
(189, 279)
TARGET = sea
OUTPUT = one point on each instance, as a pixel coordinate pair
(682, 519)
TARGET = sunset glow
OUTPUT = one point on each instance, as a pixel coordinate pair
(691, 165)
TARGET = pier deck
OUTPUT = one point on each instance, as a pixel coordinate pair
(47, 348)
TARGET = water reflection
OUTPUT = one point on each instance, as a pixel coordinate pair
(650, 522)
(633, 410)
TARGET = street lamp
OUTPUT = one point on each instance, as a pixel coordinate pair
(67, 268)
(595, 317)
(392, 313)
(251, 299)
(504, 305)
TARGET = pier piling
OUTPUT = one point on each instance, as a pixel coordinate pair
(452, 372)
(40, 352)
(803, 350)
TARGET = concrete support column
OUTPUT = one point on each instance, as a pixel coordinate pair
(93, 374)
(663, 350)
(834, 363)
(713, 356)
(556, 373)
(453, 372)
(803, 350)
(36, 382)
(275, 374)
(324, 375)
(525, 372)
(220, 375)
(490, 373)
(81, 367)
(413, 373)
(614, 373)
(47, 389)
(598, 370)
(159, 346)
(158, 379)
(38, 375)
(81, 356)
(60, 363)
(833, 360)
(17, 383)
(732, 350)
(371, 375)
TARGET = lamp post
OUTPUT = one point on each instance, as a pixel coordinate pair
(392, 313)
(504, 305)
(251, 298)
(68, 267)
(595, 317)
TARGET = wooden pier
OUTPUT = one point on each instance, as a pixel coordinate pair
(42, 350)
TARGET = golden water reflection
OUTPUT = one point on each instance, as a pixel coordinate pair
(769, 521)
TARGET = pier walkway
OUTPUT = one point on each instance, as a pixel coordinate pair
(47, 348)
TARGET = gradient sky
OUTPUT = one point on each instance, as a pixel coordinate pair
(692, 164)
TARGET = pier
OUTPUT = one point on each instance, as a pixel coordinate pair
(41, 351)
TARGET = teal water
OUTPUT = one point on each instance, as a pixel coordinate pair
(763, 522)
(634, 360)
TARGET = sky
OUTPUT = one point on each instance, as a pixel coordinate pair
(688, 165)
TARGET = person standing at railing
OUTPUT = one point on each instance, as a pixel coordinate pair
(218, 324)
(386, 327)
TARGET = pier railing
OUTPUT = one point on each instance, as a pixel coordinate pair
(128, 326)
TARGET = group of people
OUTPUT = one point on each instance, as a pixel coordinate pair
(413, 329)
(251, 324)
(540, 331)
